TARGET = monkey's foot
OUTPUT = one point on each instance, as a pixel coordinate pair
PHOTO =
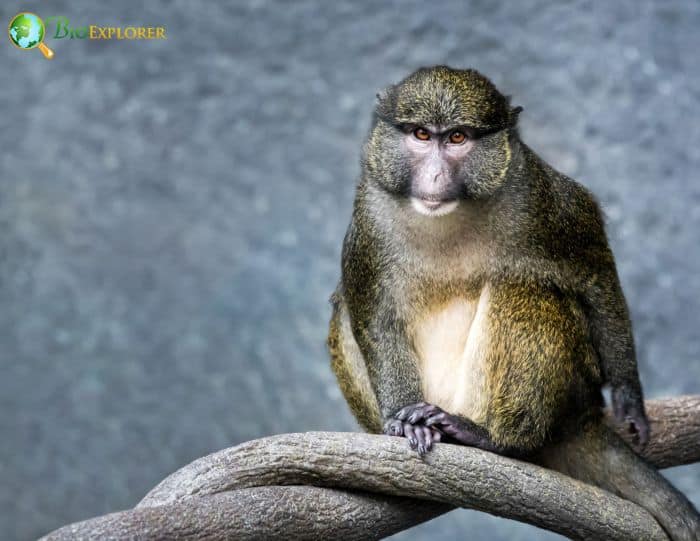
(420, 438)
(628, 407)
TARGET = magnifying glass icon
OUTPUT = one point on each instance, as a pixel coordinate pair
(26, 31)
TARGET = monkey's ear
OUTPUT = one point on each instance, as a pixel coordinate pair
(513, 115)
(386, 102)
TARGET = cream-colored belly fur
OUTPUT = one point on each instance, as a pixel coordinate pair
(451, 342)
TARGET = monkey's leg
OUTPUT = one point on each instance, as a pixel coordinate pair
(349, 367)
(598, 456)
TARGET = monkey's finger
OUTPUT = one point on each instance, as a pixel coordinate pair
(640, 426)
(403, 413)
(415, 417)
(393, 428)
(422, 413)
(437, 436)
(436, 419)
(627, 407)
(410, 433)
(422, 433)
(428, 437)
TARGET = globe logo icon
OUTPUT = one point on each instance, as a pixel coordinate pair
(26, 31)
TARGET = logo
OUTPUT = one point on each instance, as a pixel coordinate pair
(27, 31)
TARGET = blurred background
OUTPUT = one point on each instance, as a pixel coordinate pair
(171, 217)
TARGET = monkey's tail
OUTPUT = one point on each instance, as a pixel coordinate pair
(598, 456)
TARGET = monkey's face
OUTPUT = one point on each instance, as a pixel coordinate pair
(440, 137)
(436, 156)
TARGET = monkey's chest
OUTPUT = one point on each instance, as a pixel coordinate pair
(451, 346)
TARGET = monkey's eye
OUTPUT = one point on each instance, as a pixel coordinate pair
(457, 137)
(422, 134)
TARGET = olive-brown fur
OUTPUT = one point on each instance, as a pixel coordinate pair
(557, 323)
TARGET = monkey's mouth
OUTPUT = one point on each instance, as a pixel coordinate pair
(428, 207)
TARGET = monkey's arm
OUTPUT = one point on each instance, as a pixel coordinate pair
(611, 334)
(454, 428)
(383, 342)
(381, 336)
(606, 310)
(393, 373)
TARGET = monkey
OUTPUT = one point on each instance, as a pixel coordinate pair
(479, 301)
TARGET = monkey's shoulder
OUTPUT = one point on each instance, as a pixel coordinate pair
(568, 221)
(577, 203)
(553, 194)
(364, 263)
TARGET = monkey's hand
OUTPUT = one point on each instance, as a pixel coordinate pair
(628, 407)
(449, 428)
(410, 426)
(417, 413)
(452, 428)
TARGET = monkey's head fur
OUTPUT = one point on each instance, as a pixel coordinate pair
(440, 136)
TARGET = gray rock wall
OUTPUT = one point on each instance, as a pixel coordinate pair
(171, 215)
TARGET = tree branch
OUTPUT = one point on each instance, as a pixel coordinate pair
(244, 492)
